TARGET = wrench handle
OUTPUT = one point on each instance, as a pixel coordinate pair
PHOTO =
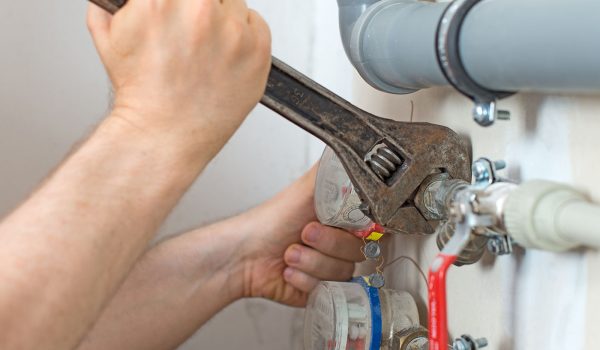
(111, 6)
(308, 105)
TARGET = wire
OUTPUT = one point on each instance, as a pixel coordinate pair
(413, 261)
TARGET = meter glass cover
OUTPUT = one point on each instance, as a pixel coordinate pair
(336, 201)
(338, 317)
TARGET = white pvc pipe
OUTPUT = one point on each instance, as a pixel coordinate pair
(550, 216)
(579, 221)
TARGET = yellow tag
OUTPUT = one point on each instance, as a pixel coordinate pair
(375, 236)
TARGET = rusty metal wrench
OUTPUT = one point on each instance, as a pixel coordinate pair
(386, 160)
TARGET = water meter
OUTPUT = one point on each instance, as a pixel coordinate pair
(354, 316)
(336, 201)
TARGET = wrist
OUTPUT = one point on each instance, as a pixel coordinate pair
(177, 142)
(218, 255)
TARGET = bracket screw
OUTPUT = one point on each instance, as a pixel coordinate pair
(485, 113)
(467, 342)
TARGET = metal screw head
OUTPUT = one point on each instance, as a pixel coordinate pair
(377, 280)
(372, 250)
(485, 113)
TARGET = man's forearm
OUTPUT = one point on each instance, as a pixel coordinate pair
(174, 289)
(65, 251)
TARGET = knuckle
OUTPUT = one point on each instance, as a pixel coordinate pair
(235, 29)
(204, 9)
(263, 36)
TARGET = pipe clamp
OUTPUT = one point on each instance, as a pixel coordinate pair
(448, 56)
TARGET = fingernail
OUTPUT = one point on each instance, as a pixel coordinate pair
(294, 255)
(287, 273)
(313, 234)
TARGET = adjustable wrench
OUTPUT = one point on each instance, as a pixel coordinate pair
(386, 160)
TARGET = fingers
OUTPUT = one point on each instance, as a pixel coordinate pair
(98, 22)
(333, 242)
(317, 264)
(238, 6)
(300, 280)
(261, 29)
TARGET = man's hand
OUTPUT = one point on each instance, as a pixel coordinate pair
(293, 253)
(195, 68)
(189, 278)
(185, 75)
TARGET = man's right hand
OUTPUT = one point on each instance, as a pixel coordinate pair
(190, 68)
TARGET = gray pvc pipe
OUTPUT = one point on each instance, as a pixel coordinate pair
(506, 45)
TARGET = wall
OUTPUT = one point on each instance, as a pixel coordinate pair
(54, 91)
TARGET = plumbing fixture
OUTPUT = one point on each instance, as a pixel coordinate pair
(473, 211)
(536, 214)
(392, 44)
(471, 253)
(489, 193)
(551, 216)
(337, 202)
(354, 315)
(466, 219)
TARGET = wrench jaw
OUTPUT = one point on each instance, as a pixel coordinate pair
(426, 149)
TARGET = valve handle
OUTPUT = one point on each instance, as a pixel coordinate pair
(438, 307)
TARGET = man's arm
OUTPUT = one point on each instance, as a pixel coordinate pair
(180, 284)
(182, 87)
